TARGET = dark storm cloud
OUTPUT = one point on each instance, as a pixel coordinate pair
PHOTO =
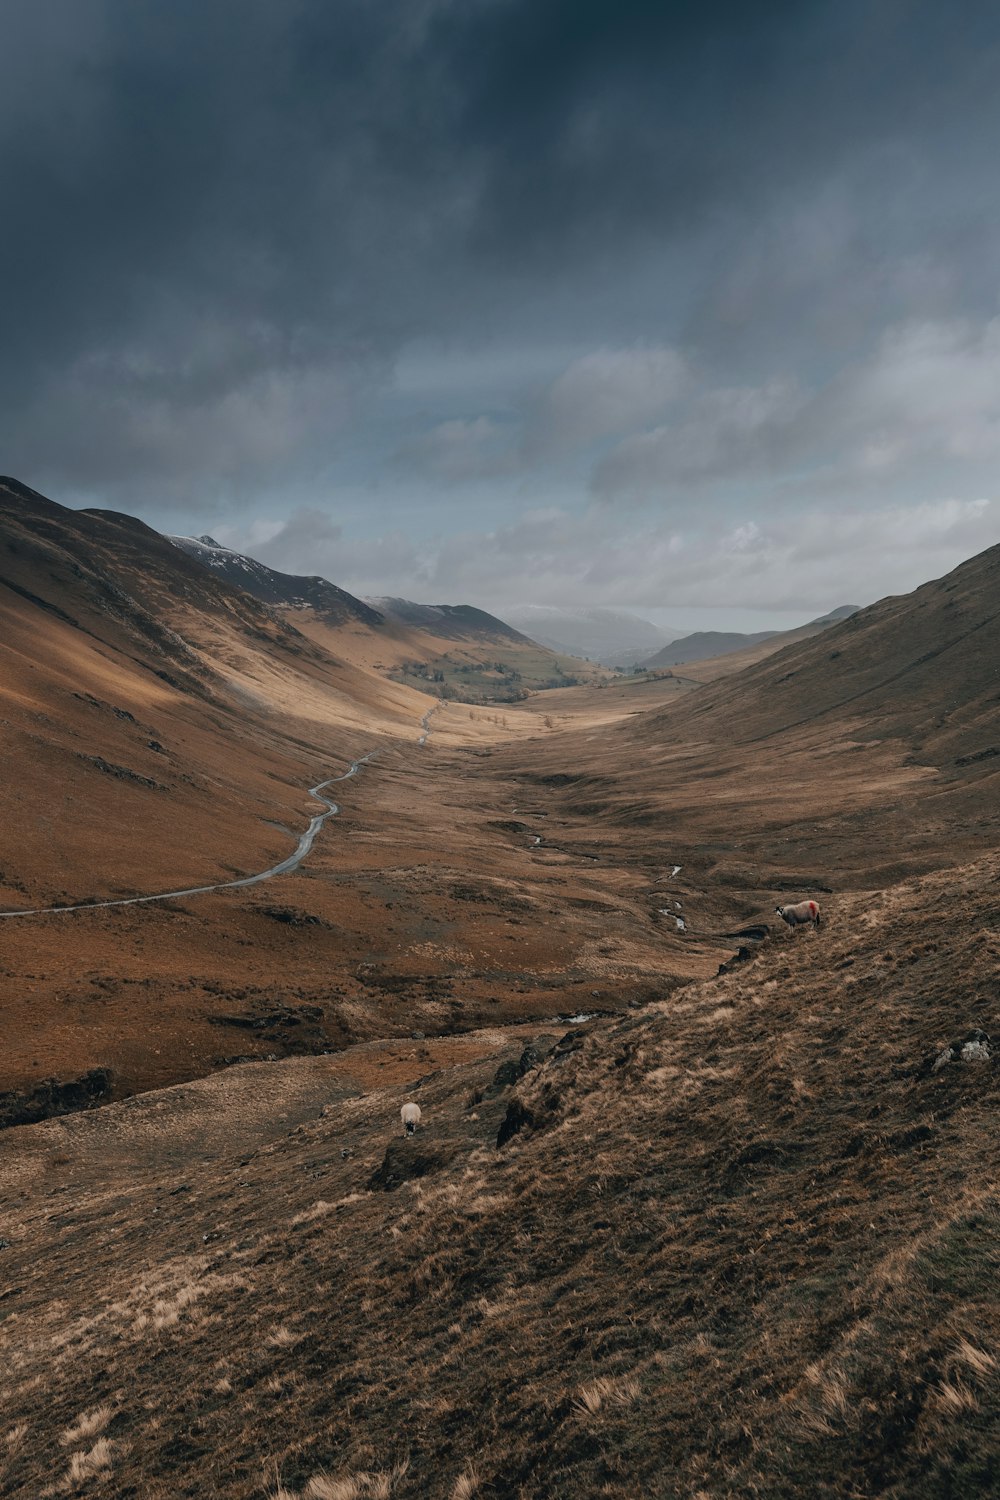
(208, 206)
(222, 220)
(594, 118)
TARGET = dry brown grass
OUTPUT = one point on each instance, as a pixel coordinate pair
(827, 1403)
(977, 1359)
(317, 1210)
(361, 1486)
(953, 1398)
(466, 1484)
(283, 1338)
(83, 1466)
(607, 1391)
(89, 1424)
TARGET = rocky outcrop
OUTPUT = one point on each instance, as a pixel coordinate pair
(52, 1097)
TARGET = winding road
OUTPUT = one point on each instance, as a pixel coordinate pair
(425, 723)
(298, 854)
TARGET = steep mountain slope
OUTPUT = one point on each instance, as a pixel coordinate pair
(743, 1244)
(333, 604)
(923, 667)
(103, 616)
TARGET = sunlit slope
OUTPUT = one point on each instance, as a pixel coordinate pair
(850, 758)
(923, 667)
(156, 722)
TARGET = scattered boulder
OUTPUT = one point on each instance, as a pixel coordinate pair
(566, 1045)
(507, 1073)
(972, 1048)
(531, 1057)
(511, 1072)
(291, 915)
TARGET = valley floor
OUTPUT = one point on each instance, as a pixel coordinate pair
(444, 896)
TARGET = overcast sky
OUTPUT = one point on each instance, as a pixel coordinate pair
(691, 309)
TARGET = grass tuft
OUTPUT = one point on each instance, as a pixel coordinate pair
(953, 1398)
(283, 1337)
(607, 1390)
(355, 1486)
(88, 1425)
(977, 1359)
(466, 1485)
(85, 1465)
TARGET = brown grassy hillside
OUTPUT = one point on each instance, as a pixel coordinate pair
(142, 694)
(923, 668)
(847, 760)
(744, 1244)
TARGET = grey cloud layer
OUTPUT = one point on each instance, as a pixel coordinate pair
(803, 562)
(730, 263)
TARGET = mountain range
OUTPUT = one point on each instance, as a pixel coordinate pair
(286, 589)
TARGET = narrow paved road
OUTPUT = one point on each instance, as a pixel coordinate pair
(294, 859)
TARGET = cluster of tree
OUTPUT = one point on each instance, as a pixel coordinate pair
(499, 667)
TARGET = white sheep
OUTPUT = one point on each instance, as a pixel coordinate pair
(410, 1116)
(802, 911)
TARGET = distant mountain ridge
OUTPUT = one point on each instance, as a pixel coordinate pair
(450, 621)
(289, 590)
(703, 644)
(609, 636)
(335, 605)
(450, 650)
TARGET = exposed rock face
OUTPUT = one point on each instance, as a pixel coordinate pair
(512, 1072)
(54, 1098)
(404, 1161)
(743, 955)
(514, 1121)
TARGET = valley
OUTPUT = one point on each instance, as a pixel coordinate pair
(695, 1208)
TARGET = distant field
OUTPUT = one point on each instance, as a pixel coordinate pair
(504, 675)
